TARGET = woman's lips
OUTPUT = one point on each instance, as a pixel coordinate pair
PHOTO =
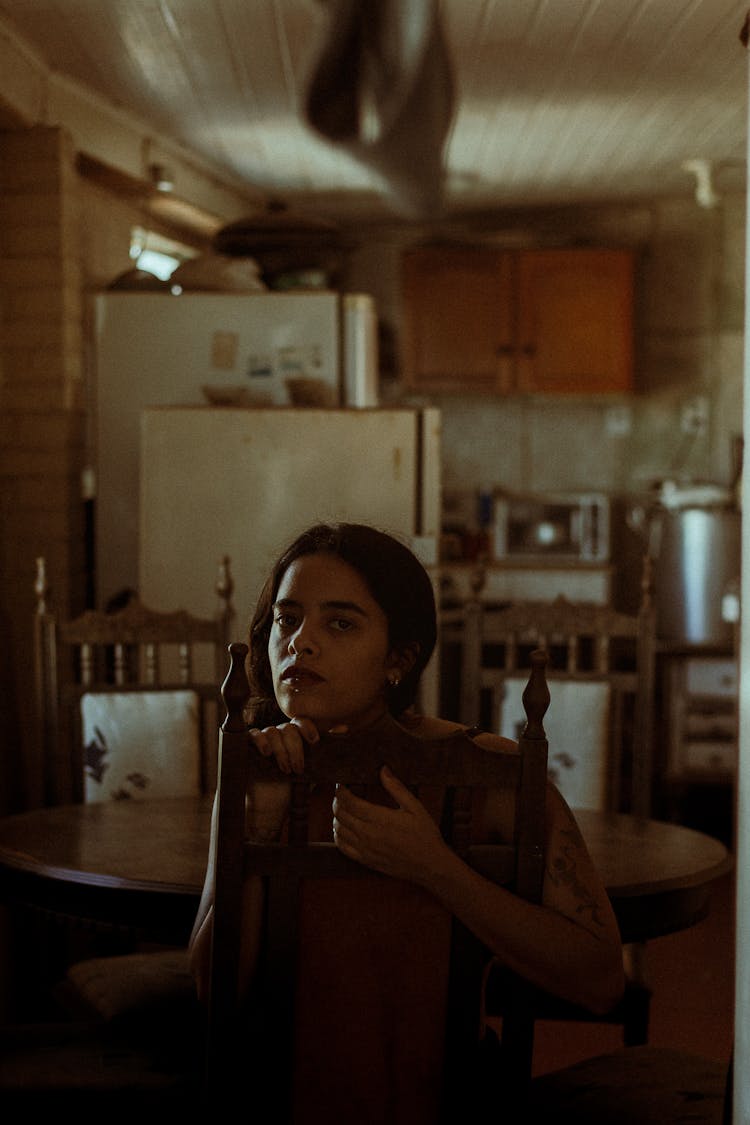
(300, 677)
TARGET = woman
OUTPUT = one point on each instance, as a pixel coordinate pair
(342, 632)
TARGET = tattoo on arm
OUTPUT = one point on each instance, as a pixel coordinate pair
(563, 872)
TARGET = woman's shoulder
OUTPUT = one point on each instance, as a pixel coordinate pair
(430, 726)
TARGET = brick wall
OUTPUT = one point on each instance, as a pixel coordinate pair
(63, 237)
(42, 423)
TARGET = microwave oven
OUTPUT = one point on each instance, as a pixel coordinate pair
(563, 526)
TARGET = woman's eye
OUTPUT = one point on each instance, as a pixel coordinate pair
(342, 624)
(284, 620)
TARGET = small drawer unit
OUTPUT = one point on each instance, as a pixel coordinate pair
(702, 694)
(709, 677)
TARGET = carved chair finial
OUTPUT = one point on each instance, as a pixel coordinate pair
(536, 696)
(235, 691)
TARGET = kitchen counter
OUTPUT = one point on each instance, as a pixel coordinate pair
(535, 580)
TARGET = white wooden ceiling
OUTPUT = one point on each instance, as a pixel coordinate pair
(557, 100)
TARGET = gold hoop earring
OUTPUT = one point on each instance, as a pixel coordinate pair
(394, 679)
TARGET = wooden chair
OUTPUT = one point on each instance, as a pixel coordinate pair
(265, 1030)
(128, 705)
(143, 672)
(641, 1085)
(598, 657)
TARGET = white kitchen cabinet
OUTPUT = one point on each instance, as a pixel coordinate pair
(702, 720)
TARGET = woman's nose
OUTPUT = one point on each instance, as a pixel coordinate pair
(303, 641)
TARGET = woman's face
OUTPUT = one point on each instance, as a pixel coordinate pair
(328, 647)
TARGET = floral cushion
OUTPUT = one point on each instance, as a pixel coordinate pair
(577, 726)
(140, 744)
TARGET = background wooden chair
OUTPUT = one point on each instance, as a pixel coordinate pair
(265, 1031)
(127, 701)
(641, 1085)
(601, 663)
(128, 705)
(600, 723)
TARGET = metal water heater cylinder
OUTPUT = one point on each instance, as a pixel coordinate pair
(696, 547)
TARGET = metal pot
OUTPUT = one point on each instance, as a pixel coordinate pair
(695, 541)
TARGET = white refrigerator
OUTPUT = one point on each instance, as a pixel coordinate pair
(154, 349)
(244, 482)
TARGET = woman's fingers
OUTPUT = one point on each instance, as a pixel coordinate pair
(261, 742)
(402, 841)
(404, 798)
(286, 743)
(307, 729)
(357, 808)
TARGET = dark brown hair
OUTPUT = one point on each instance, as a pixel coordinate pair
(397, 581)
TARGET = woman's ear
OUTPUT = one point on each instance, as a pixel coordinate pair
(401, 661)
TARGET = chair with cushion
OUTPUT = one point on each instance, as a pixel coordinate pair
(602, 668)
(127, 701)
(601, 673)
(355, 965)
(127, 709)
(605, 658)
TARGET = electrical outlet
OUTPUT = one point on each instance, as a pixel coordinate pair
(694, 416)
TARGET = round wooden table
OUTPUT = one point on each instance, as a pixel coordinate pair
(135, 864)
(658, 875)
(141, 864)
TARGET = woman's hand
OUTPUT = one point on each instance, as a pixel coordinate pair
(404, 842)
(286, 743)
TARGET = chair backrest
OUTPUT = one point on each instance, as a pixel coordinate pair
(462, 771)
(127, 702)
(601, 726)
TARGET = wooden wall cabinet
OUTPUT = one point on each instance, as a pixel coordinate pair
(459, 319)
(529, 321)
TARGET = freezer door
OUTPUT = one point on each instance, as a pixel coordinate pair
(245, 482)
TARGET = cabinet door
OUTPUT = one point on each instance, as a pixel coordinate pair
(459, 318)
(575, 321)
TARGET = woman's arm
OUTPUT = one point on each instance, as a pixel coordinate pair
(569, 945)
(199, 945)
(266, 809)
